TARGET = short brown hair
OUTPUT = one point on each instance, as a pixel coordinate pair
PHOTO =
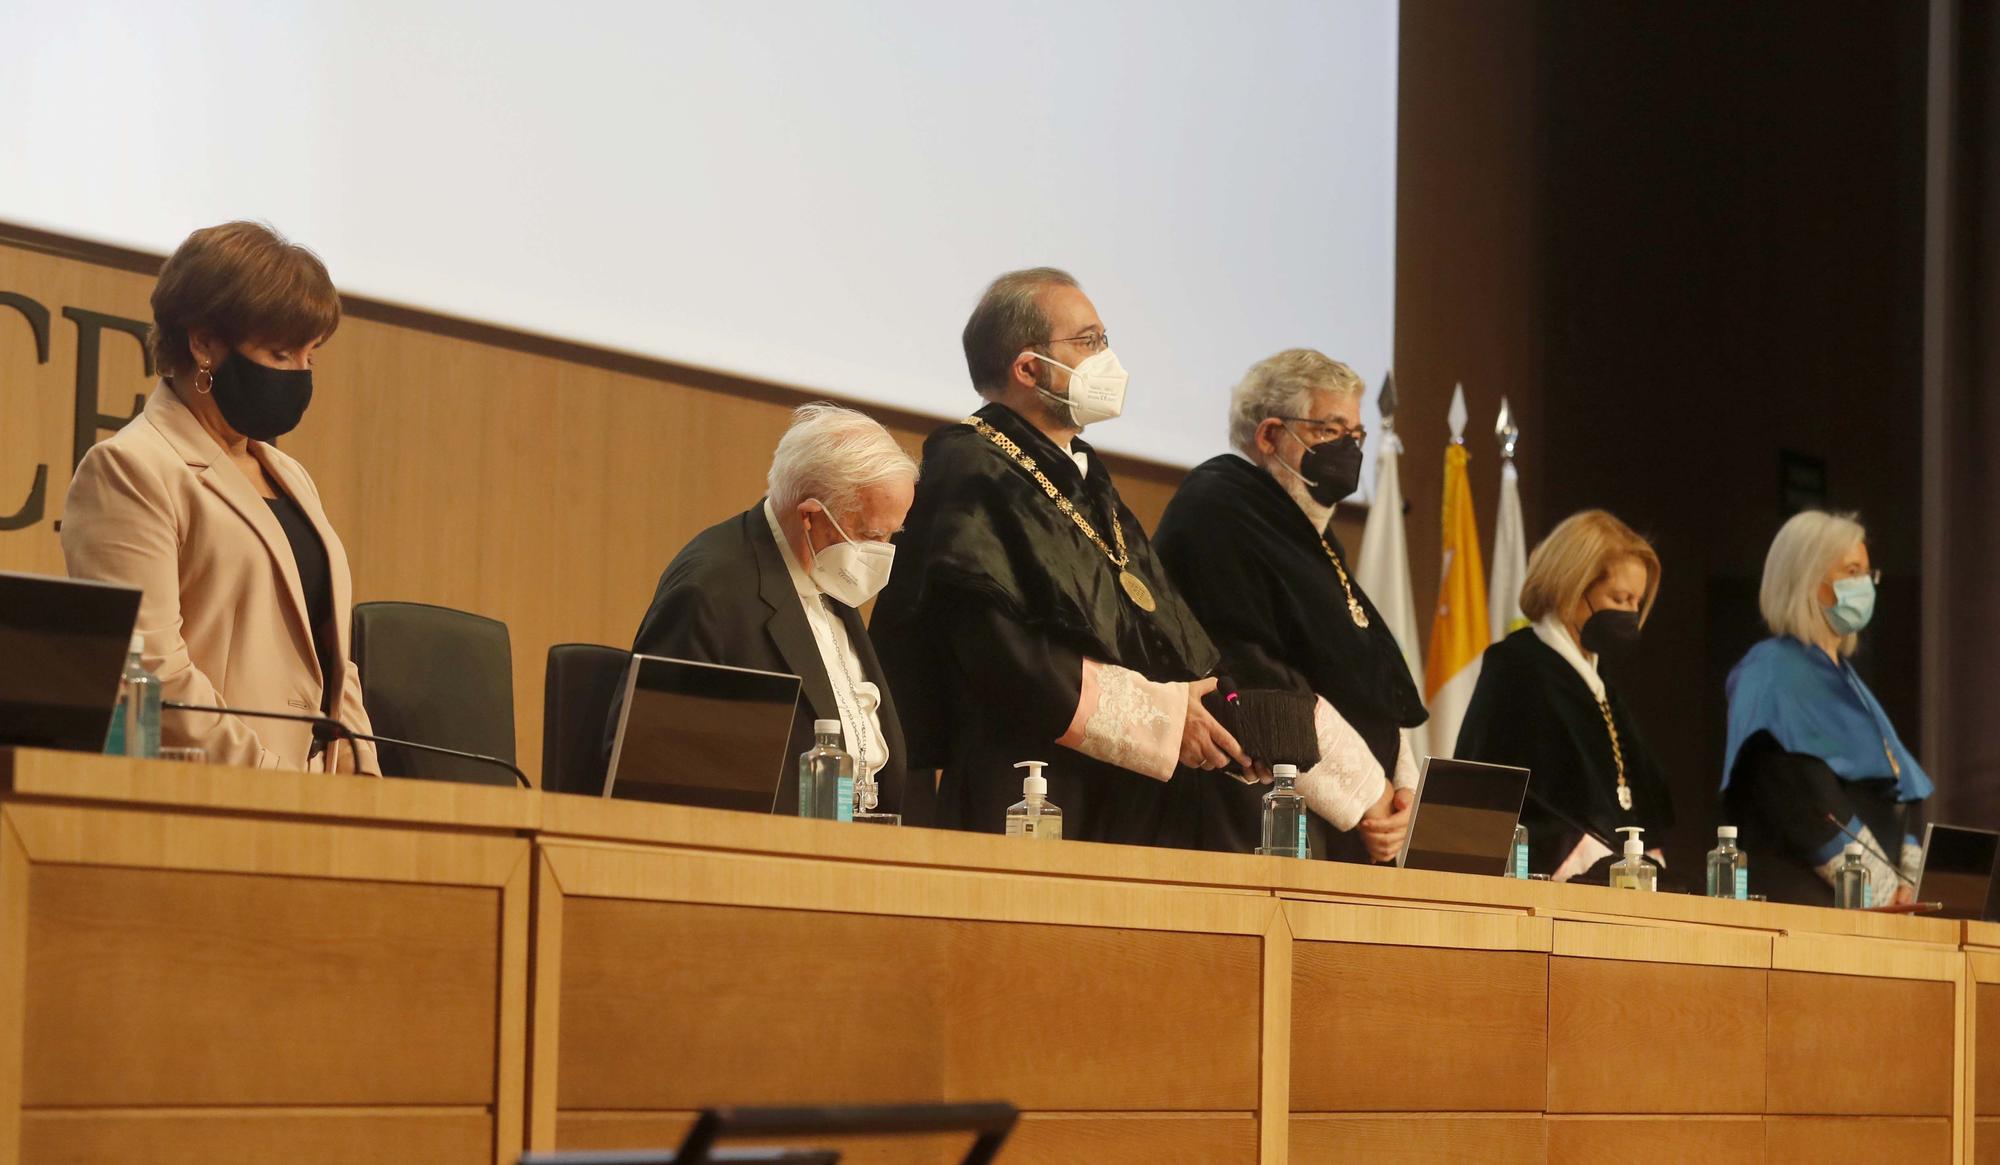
(245, 282)
(1008, 321)
(1576, 556)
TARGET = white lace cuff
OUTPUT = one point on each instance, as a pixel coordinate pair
(1124, 719)
(1348, 779)
(1406, 761)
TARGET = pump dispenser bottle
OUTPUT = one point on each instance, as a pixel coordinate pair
(1034, 815)
(1633, 871)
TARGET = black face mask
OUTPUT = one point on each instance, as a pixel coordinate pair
(1611, 635)
(259, 402)
(1332, 470)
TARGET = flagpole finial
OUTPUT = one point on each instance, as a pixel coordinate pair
(1457, 416)
(1385, 401)
(1504, 429)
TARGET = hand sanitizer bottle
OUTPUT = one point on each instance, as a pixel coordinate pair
(1517, 857)
(1633, 871)
(868, 795)
(1850, 881)
(1728, 867)
(1034, 815)
(826, 776)
(135, 719)
(1285, 816)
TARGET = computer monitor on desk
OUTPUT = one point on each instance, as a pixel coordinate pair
(702, 734)
(1464, 817)
(1958, 869)
(62, 650)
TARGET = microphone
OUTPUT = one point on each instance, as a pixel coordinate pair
(1872, 851)
(328, 731)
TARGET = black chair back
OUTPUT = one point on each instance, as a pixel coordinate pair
(437, 676)
(581, 685)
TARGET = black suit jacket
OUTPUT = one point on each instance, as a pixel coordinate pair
(727, 598)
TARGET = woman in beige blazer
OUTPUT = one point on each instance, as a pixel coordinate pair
(247, 592)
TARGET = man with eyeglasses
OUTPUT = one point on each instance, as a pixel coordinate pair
(1246, 541)
(1028, 618)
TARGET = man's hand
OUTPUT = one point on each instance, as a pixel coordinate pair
(1206, 744)
(1904, 895)
(1386, 823)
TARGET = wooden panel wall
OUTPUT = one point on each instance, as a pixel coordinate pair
(539, 483)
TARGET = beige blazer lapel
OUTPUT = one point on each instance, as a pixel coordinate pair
(199, 450)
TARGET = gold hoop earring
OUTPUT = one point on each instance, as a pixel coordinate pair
(204, 380)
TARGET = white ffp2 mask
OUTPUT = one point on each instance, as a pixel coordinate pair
(1096, 388)
(851, 572)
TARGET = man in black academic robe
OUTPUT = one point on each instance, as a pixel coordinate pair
(730, 597)
(1009, 631)
(1247, 543)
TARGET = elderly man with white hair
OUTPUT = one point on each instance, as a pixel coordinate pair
(1808, 741)
(778, 587)
(1246, 541)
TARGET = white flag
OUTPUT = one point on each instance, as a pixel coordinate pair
(1383, 569)
(1510, 559)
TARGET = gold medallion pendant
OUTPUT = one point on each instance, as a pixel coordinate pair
(1135, 589)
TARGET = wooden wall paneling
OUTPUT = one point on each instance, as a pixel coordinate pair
(1419, 1139)
(1902, 1140)
(543, 484)
(436, 1136)
(13, 982)
(1274, 1095)
(1695, 1037)
(1396, 1029)
(1593, 1140)
(1826, 1029)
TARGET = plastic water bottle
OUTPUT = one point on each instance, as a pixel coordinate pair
(1728, 867)
(1285, 816)
(135, 719)
(1850, 881)
(1517, 857)
(826, 776)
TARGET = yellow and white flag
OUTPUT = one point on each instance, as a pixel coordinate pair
(1458, 628)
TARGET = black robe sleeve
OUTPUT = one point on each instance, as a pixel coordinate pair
(1002, 664)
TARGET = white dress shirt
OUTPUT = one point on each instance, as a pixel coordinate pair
(859, 701)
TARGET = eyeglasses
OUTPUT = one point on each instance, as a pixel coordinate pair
(1873, 576)
(1329, 430)
(1092, 342)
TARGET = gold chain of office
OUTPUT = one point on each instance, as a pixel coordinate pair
(1135, 587)
(1617, 755)
(1354, 609)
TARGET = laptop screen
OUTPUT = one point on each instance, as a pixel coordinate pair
(703, 734)
(62, 650)
(1464, 817)
(1958, 869)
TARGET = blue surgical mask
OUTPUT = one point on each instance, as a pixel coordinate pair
(1853, 604)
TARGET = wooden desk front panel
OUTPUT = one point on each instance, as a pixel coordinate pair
(1405, 1029)
(1849, 1045)
(228, 989)
(1644, 1037)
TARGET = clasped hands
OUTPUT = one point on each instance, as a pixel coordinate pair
(1207, 745)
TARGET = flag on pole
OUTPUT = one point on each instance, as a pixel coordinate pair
(1458, 627)
(1510, 545)
(1383, 569)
